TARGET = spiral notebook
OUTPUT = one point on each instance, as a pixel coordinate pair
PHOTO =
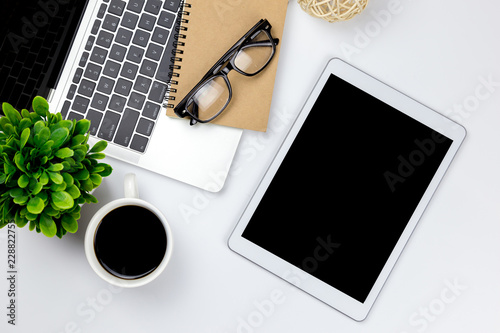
(210, 28)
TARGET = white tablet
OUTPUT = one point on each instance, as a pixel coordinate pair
(346, 189)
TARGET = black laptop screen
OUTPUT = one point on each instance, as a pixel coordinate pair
(35, 38)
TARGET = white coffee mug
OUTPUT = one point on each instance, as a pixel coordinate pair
(131, 199)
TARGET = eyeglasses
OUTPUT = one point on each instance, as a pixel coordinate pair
(249, 56)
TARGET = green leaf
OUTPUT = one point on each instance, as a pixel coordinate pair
(36, 188)
(50, 211)
(99, 146)
(39, 125)
(26, 114)
(23, 181)
(19, 160)
(47, 225)
(96, 179)
(107, 169)
(16, 192)
(22, 200)
(69, 223)
(59, 136)
(62, 200)
(64, 153)
(87, 185)
(97, 156)
(55, 167)
(24, 137)
(55, 177)
(68, 179)
(73, 191)
(63, 123)
(58, 187)
(82, 126)
(89, 198)
(81, 174)
(42, 137)
(12, 114)
(78, 139)
(20, 221)
(41, 106)
(35, 205)
(44, 178)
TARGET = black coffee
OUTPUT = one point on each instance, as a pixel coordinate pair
(130, 242)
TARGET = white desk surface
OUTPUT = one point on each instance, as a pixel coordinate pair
(446, 54)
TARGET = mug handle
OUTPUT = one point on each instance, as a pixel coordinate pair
(130, 186)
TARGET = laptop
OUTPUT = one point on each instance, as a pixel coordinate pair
(109, 61)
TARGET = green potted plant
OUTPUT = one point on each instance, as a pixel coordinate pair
(47, 169)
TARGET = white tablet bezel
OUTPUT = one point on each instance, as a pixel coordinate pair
(308, 283)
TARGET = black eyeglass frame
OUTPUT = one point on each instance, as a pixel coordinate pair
(222, 68)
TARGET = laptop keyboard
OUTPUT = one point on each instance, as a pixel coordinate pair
(122, 76)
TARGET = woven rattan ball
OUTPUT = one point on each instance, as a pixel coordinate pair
(333, 10)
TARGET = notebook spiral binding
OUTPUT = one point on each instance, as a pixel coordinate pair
(180, 29)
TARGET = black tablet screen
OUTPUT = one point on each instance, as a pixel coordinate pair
(347, 188)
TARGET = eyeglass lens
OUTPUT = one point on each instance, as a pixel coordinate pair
(213, 95)
(254, 54)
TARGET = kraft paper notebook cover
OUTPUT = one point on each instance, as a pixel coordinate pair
(213, 27)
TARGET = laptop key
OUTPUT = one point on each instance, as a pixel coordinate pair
(102, 11)
(86, 88)
(166, 19)
(148, 68)
(84, 58)
(78, 75)
(105, 85)
(160, 36)
(98, 55)
(117, 103)
(109, 125)
(136, 101)
(90, 43)
(147, 22)
(104, 39)
(126, 127)
(135, 5)
(130, 20)
(151, 110)
(153, 6)
(172, 5)
(99, 102)
(139, 143)
(95, 27)
(141, 38)
(117, 52)
(110, 23)
(80, 104)
(116, 7)
(158, 92)
(65, 108)
(112, 69)
(123, 36)
(154, 51)
(142, 84)
(95, 118)
(135, 54)
(71, 91)
(129, 70)
(92, 72)
(123, 87)
(145, 127)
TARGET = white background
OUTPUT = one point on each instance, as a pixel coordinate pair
(443, 54)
